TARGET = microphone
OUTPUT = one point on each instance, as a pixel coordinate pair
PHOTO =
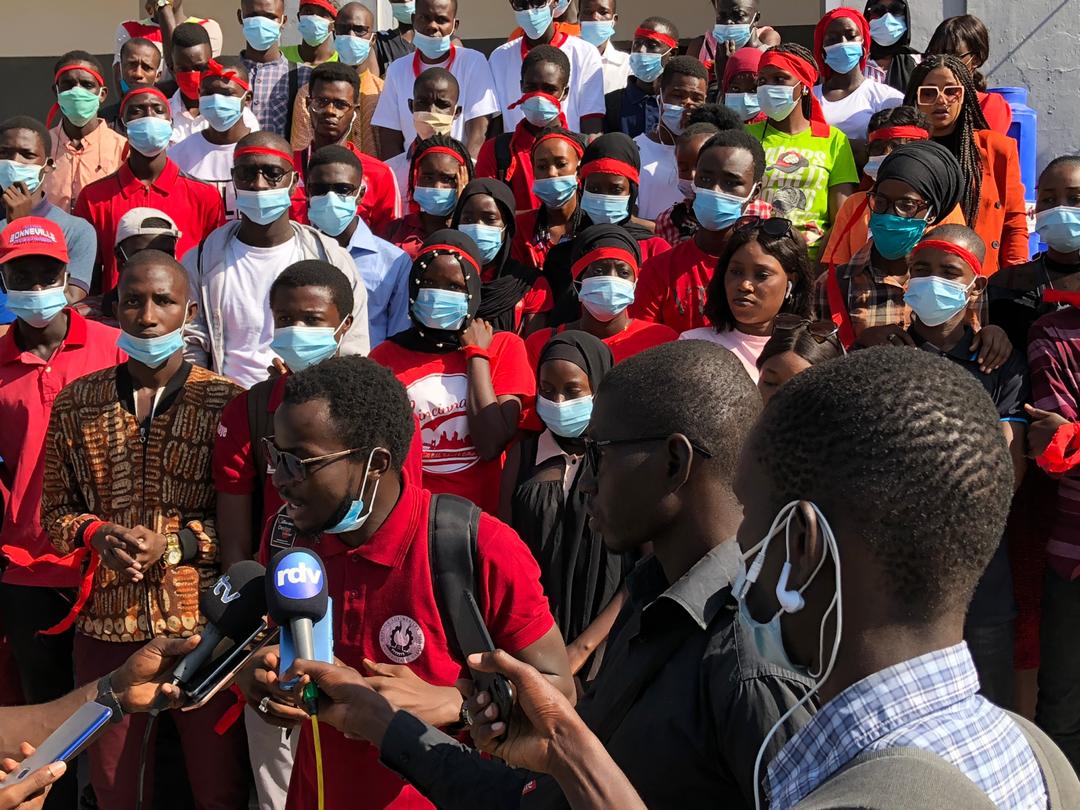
(296, 598)
(233, 609)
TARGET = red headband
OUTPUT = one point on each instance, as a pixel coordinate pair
(562, 136)
(548, 96)
(888, 133)
(137, 90)
(261, 150)
(461, 254)
(648, 33)
(215, 69)
(87, 68)
(622, 254)
(823, 25)
(440, 150)
(954, 249)
(807, 75)
(609, 166)
(325, 4)
(1052, 296)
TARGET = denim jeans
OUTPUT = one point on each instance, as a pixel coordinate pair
(1058, 709)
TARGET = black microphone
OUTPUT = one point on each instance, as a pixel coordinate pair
(296, 598)
(233, 609)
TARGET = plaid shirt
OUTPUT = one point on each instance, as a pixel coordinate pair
(929, 702)
(872, 298)
(673, 234)
(270, 94)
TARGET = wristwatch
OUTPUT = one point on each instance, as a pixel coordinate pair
(107, 698)
(174, 552)
(163, 3)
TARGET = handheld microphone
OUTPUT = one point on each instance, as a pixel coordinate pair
(296, 598)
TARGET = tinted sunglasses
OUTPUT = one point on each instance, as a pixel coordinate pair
(294, 468)
(820, 331)
(775, 227)
(928, 93)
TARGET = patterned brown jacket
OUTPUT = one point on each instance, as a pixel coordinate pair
(101, 464)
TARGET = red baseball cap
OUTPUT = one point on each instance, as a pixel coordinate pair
(32, 236)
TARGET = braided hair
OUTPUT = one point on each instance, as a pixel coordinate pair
(795, 49)
(447, 142)
(969, 120)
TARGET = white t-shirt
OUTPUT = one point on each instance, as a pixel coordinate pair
(477, 96)
(851, 115)
(616, 68)
(185, 124)
(658, 188)
(399, 165)
(746, 347)
(586, 96)
(209, 162)
(246, 321)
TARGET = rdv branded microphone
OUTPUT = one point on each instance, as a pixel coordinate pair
(296, 598)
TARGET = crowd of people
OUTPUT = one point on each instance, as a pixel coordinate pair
(650, 311)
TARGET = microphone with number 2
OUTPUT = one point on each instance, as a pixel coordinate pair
(296, 598)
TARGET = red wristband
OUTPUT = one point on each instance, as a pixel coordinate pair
(89, 528)
(477, 351)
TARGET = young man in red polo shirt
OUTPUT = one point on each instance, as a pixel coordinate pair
(48, 346)
(369, 523)
(148, 179)
(334, 96)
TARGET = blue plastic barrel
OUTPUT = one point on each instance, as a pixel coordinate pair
(1024, 130)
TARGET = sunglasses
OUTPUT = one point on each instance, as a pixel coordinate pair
(928, 94)
(594, 448)
(294, 468)
(775, 227)
(820, 331)
(248, 173)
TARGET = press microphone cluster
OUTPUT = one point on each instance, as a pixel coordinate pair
(297, 598)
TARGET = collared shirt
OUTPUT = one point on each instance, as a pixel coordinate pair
(195, 207)
(381, 203)
(99, 155)
(385, 270)
(547, 448)
(639, 111)
(872, 297)
(616, 68)
(28, 387)
(270, 93)
(361, 134)
(674, 233)
(186, 123)
(929, 702)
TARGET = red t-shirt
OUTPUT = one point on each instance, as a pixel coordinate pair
(519, 174)
(671, 287)
(234, 462)
(407, 233)
(28, 386)
(196, 208)
(438, 387)
(384, 610)
(638, 336)
(380, 204)
(525, 248)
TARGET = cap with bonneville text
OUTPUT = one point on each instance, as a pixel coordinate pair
(32, 236)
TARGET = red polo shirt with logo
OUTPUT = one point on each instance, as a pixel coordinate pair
(671, 287)
(384, 610)
(195, 207)
(28, 386)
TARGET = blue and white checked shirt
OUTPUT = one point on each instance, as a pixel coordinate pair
(384, 267)
(270, 94)
(929, 702)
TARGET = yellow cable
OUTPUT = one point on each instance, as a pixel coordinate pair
(318, 760)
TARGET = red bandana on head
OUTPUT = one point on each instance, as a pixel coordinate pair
(807, 75)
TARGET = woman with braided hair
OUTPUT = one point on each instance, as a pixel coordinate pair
(993, 203)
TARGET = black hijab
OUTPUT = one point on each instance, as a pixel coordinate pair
(585, 351)
(499, 297)
(931, 170)
(901, 51)
(567, 307)
(445, 241)
(619, 147)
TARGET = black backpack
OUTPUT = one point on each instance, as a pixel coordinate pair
(504, 158)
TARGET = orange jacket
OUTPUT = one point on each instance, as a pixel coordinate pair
(1002, 219)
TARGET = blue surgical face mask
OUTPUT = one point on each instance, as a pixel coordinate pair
(597, 32)
(671, 116)
(646, 66)
(1059, 228)
(125, 88)
(873, 163)
(38, 307)
(152, 351)
(539, 110)
(354, 515)
(403, 11)
(715, 210)
(304, 346)
(488, 239)
(606, 297)
(352, 50)
(777, 101)
(887, 30)
(894, 237)
(560, 8)
(261, 33)
(844, 57)
(263, 207)
(605, 209)
(432, 47)
(314, 29)
(150, 135)
(555, 192)
(568, 418)
(332, 213)
(534, 21)
(12, 172)
(737, 35)
(934, 299)
(435, 201)
(745, 105)
(441, 309)
(221, 111)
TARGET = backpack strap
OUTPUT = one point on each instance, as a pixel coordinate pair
(503, 156)
(1062, 785)
(453, 525)
(259, 426)
(294, 88)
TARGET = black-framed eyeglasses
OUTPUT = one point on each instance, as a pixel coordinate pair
(905, 207)
(775, 227)
(248, 173)
(820, 331)
(594, 447)
(294, 468)
(344, 189)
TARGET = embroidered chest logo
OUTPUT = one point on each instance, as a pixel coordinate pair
(401, 639)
